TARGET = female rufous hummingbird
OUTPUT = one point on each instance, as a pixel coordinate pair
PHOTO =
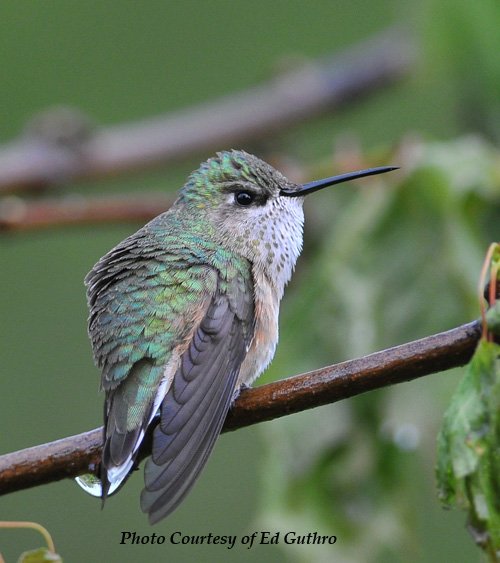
(184, 312)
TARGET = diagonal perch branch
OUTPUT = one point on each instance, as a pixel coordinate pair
(79, 454)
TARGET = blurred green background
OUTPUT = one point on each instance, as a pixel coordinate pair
(382, 265)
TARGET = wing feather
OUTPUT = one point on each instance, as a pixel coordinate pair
(167, 326)
(197, 402)
(138, 295)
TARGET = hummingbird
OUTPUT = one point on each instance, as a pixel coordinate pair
(184, 313)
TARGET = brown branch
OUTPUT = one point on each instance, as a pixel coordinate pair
(18, 214)
(79, 454)
(51, 156)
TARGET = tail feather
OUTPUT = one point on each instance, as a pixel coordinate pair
(127, 419)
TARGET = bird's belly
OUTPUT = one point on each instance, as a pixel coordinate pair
(265, 339)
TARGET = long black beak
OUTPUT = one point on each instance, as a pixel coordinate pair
(311, 187)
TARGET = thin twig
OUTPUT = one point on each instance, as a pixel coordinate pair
(79, 454)
(32, 526)
(46, 157)
(17, 214)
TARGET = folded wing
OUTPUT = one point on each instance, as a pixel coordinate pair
(196, 404)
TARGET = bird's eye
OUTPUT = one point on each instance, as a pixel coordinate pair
(244, 198)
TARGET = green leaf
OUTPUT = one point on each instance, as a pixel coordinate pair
(493, 318)
(41, 555)
(468, 468)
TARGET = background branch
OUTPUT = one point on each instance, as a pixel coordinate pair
(18, 214)
(79, 454)
(56, 152)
